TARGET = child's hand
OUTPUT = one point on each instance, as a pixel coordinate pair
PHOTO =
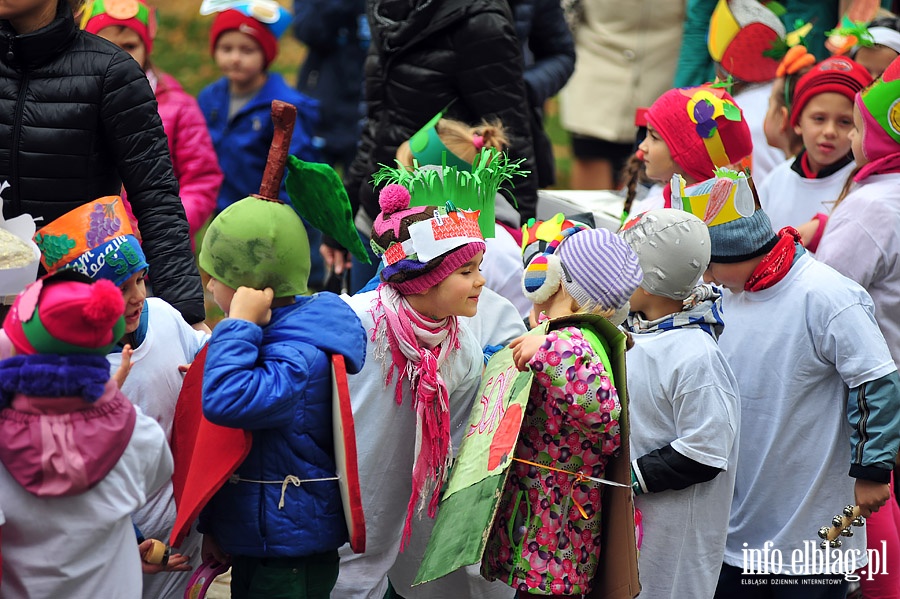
(211, 550)
(252, 305)
(524, 348)
(183, 368)
(125, 367)
(808, 230)
(870, 496)
(177, 562)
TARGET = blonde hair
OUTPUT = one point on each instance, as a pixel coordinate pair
(460, 139)
(794, 140)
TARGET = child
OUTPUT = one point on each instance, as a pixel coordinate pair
(193, 156)
(822, 114)
(420, 356)
(885, 46)
(278, 520)
(571, 421)
(861, 242)
(684, 406)
(156, 342)
(815, 377)
(97, 137)
(677, 143)
(742, 34)
(777, 124)
(454, 143)
(237, 107)
(68, 494)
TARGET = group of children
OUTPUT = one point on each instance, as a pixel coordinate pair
(738, 436)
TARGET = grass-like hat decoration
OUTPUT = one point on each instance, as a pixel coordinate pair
(435, 185)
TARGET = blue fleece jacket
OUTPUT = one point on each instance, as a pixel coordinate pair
(275, 381)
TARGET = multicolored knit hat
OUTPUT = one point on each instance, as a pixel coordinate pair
(879, 106)
(263, 20)
(743, 38)
(66, 313)
(258, 243)
(702, 127)
(133, 14)
(836, 74)
(421, 246)
(673, 249)
(595, 267)
(96, 239)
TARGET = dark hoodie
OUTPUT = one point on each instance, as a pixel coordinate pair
(275, 381)
(427, 54)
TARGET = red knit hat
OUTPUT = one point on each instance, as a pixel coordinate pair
(232, 19)
(66, 313)
(837, 74)
(702, 127)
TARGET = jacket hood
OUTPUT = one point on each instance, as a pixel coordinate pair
(398, 23)
(325, 321)
(61, 445)
(38, 47)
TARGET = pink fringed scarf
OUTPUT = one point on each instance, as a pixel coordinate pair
(419, 347)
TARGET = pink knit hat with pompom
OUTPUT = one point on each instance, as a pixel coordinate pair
(391, 239)
(66, 313)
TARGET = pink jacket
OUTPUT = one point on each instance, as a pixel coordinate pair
(193, 155)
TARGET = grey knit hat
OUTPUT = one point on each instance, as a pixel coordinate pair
(742, 239)
(672, 247)
(599, 268)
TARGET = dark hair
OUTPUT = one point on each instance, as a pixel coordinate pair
(886, 22)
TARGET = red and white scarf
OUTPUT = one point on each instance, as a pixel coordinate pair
(419, 347)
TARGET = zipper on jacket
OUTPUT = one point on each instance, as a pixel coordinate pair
(14, 154)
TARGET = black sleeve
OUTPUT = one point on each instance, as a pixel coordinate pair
(663, 469)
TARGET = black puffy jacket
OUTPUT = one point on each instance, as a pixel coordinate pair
(77, 120)
(424, 57)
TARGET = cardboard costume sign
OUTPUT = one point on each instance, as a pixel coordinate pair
(473, 494)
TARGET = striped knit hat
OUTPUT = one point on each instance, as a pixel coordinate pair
(599, 269)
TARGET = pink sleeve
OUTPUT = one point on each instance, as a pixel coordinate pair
(194, 160)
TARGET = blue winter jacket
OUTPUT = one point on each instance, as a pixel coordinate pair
(242, 142)
(275, 381)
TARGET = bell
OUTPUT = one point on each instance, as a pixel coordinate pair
(859, 521)
(847, 532)
(835, 543)
(823, 532)
(848, 511)
(837, 521)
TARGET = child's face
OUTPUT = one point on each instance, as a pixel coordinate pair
(241, 60)
(457, 295)
(134, 291)
(730, 276)
(128, 40)
(856, 137)
(657, 158)
(222, 294)
(825, 125)
(876, 59)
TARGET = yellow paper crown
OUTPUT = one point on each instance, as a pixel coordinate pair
(722, 199)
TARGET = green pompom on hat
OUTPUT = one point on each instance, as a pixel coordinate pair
(258, 243)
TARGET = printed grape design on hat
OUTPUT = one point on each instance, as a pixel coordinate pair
(54, 247)
(103, 223)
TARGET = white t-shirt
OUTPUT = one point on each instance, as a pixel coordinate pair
(862, 242)
(497, 321)
(795, 348)
(502, 269)
(153, 385)
(791, 200)
(682, 391)
(83, 546)
(385, 437)
(654, 200)
(754, 102)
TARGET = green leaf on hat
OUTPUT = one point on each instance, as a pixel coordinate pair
(318, 195)
(732, 112)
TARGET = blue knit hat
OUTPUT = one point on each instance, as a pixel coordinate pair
(742, 239)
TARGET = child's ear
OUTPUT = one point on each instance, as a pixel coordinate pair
(798, 130)
(785, 119)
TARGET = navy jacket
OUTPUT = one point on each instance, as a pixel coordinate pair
(275, 381)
